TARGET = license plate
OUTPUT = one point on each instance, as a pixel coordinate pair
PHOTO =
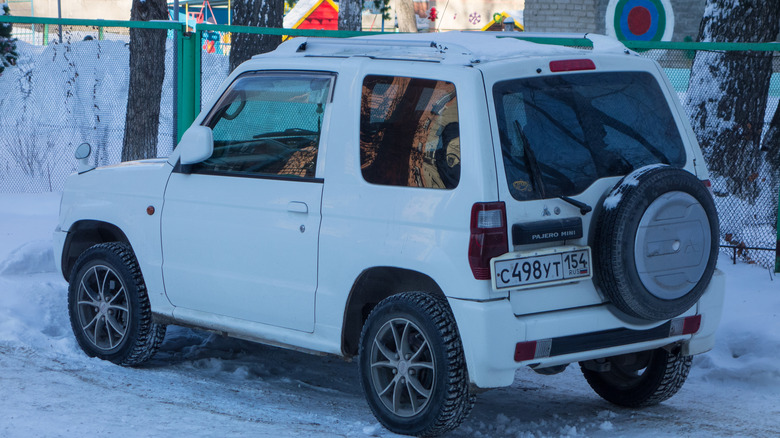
(552, 266)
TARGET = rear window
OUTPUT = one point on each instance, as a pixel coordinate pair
(561, 133)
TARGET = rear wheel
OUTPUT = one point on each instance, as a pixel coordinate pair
(109, 307)
(412, 367)
(640, 379)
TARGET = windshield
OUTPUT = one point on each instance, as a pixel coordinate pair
(561, 133)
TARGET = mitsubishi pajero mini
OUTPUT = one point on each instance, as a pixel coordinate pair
(446, 208)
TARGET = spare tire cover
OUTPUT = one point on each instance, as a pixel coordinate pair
(656, 242)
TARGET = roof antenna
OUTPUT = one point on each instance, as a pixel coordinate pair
(442, 15)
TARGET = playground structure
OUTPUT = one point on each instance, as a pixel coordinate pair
(306, 14)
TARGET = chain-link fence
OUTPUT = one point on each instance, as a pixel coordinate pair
(69, 86)
(73, 88)
(748, 217)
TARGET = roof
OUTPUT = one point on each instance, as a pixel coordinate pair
(498, 20)
(302, 9)
(458, 47)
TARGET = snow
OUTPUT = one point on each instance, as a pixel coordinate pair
(205, 385)
(485, 46)
(631, 180)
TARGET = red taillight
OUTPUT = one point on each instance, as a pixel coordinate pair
(525, 351)
(691, 325)
(572, 65)
(685, 326)
(532, 349)
(488, 237)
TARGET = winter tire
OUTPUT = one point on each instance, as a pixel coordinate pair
(412, 367)
(109, 307)
(640, 379)
(656, 242)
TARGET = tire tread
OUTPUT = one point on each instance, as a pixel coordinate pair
(150, 335)
(458, 401)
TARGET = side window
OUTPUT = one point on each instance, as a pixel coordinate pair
(268, 124)
(409, 132)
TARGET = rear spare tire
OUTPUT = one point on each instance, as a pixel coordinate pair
(656, 242)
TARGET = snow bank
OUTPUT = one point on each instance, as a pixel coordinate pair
(32, 258)
(748, 340)
(33, 316)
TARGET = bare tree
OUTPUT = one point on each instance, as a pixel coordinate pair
(147, 71)
(258, 13)
(728, 90)
(350, 14)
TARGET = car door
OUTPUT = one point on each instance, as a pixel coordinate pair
(240, 230)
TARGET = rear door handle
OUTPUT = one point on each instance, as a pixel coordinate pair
(297, 207)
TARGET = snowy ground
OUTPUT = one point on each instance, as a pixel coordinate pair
(202, 385)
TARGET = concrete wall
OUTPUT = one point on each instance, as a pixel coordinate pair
(94, 9)
(590, 16)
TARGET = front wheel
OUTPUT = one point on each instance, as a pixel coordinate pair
(412, 367)
(640, 379)
(109, 306)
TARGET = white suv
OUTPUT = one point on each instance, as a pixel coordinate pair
(446, 207)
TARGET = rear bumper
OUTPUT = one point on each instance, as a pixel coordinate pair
(490, 333)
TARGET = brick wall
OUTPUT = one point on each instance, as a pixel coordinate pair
(687, 17)
(590, 15)
(561, 15)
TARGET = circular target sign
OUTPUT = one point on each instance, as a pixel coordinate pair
(640, 20)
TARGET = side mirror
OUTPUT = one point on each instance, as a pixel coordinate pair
(197, 144)
(82, 157)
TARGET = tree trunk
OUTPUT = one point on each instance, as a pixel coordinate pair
(350, 15)
(772, 142)
(258, 13)
(727, 93)
(147, 71)
(404, 10)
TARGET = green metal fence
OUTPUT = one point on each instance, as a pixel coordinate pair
(70, 86)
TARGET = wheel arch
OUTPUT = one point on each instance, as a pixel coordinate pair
(372, 286)
(85, 234)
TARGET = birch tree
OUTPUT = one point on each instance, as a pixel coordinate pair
(404, 10)
(350, 17)
(727, 94)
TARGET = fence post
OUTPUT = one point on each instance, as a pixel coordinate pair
(188, 75)
(777, 245)
(101, 37)
(45, 34)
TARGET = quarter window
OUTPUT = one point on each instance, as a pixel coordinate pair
(409, 132)
(268, 124)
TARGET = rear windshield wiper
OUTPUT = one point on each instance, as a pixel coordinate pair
(584, 208)
(530, 161)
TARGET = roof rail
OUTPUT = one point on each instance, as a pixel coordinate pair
(418, 50)
(600, 43)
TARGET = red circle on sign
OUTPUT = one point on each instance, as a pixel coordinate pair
(639, 20)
